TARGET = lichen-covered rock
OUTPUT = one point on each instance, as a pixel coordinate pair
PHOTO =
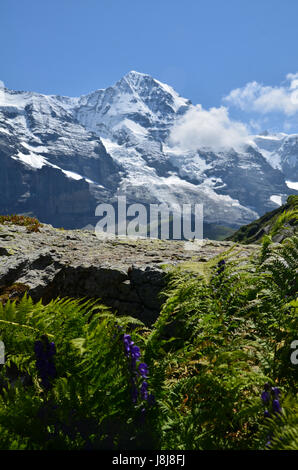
(127, 275)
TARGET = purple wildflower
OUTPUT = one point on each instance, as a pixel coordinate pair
(265, 397)
(276, 406)
(221, 266)
(128, 343)
(135, 352)
(275, 392)
(143, 370)
(144, 390)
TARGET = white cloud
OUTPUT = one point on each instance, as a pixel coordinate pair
(267, 99)
(211, 128)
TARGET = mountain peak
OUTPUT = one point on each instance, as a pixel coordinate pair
(134, 73)
(136, 79)
(153, 90)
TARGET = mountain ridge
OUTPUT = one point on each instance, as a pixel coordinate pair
(115, 141)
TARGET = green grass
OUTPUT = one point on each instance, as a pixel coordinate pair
(283, 220)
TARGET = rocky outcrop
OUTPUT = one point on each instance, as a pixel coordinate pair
(127, 275)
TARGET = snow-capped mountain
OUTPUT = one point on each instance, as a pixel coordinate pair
(281, 151)
(62, 156)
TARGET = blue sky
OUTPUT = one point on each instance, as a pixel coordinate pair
(203, 49)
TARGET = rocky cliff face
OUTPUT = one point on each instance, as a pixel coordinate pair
(43, 151)
(127, 275)
(282, 151)
(62, 156)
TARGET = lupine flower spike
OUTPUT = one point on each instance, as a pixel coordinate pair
(133, 352)
(266, 398)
